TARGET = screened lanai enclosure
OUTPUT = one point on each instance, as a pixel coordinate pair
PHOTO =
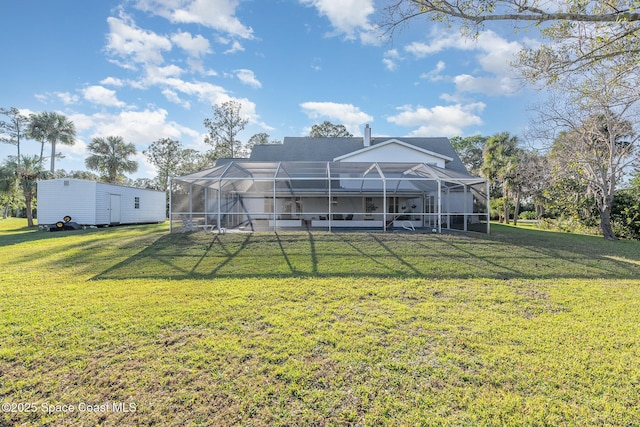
(255, 196)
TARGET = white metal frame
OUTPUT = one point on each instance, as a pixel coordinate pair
(277, 172)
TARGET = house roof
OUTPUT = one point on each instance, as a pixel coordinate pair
(328, 149)
(317, 174)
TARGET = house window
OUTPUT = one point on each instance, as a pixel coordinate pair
(65, 183)
(291, 208)
(268, 205)
(369, 206)
(136, 202)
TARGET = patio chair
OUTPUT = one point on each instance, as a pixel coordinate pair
(187, 225)
(211, 228)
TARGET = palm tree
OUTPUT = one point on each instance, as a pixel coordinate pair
(37, 129)
(52, 128)
(500, 158)
(110, 156)
(28, 172)
(8, 184)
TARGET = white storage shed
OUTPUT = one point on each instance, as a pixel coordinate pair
(98, 203)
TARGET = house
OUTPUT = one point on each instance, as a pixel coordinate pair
(377, 183)
(98, 203)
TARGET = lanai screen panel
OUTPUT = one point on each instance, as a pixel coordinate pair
(464, 200)
(189, 194)
(247, 177)
(303, 177)
(241, 193)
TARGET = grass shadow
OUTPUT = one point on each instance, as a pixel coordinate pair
(592, 253)
(284, 254)
(507, 253)
(392, 253)
(368, 257)
(15, 236)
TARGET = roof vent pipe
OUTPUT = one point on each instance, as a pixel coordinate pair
(367, 135)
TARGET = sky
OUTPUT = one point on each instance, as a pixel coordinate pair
(151, 69)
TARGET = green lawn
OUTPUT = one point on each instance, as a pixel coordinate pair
(521, 327)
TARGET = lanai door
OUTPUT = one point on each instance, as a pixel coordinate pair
(430, 216)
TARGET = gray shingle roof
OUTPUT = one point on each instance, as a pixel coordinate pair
(326, 149)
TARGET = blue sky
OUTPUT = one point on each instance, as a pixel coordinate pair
(148, 69)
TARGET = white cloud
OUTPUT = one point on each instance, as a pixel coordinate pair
(77, 151)
(131, 43)
(440, 120)
(173, 96)
(42, 97)
(373, 36)
(158, 75)
(102, 96)
(487, 85)
(440, 43)
(208, 93)
(195, 46)
(348, 17)
(452, 98)
(216, 14)
(389, 64)
(494, 55)
(67, 98)
(435, 74)
(196, 65)
(390, 59)
(248, 77)
(235, 47)
(498, 53)
(112, 81)
(26, 112)
(138, 127)
(316, 64)
(205, 92)
(346, 114)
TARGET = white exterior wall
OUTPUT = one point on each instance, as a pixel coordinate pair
(348, 205)
(316, 206)
(152, 204)
(255, 204)
(88, 202)
(455, 202)
(56, 200)
(394, 153)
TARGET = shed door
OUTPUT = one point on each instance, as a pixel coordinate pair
(115, 208)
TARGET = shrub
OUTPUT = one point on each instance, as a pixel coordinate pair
(528, 215)
(568, 224)
(625, 215)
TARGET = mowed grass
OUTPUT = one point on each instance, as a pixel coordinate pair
(521, 327)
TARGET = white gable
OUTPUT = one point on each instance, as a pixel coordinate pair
(394, 150)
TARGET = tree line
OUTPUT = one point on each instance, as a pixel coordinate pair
(587, 57)
(110, 158)
(577, 177)
(576, 184)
